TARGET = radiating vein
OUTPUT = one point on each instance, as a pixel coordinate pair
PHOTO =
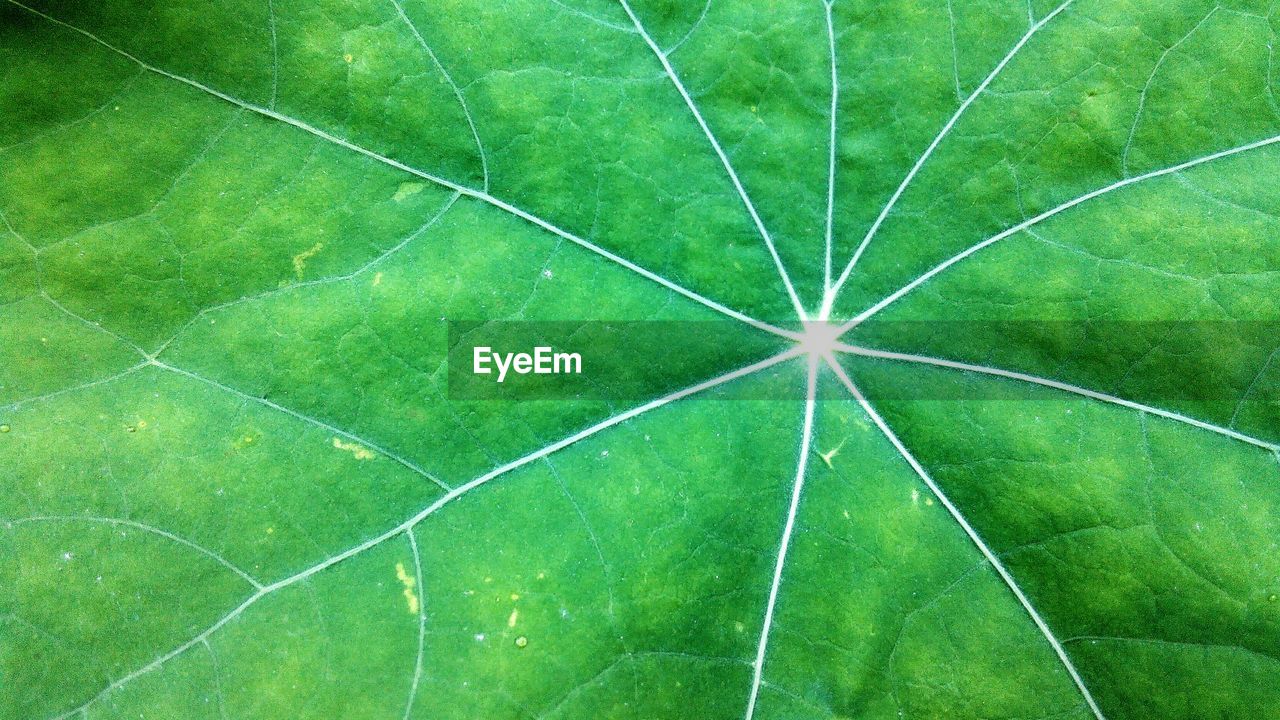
(480, 195)
(724, 159)
(973, 535)
(409, 524)
(806, 440)
(1058, 385)
(831, 148)
(1118, 185)
(829, 300)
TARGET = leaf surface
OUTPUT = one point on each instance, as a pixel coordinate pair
(1036, 476)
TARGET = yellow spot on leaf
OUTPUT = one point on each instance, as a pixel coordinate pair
(347, 57)
(360, 452)
(515, 596)
(300, 260)
(271, 531)
(142, 424)
(377, 279)
(407, 189)
(826, 456)
(511, 620)
(410, 596)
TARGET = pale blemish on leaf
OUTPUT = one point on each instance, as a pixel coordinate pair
(826, 456)
(357, 450)
(300, 260)
(410, 597)
(513, 617)
(407, 189)
(522, 642)
(377, 279)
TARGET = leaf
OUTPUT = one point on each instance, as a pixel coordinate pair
(942, 370)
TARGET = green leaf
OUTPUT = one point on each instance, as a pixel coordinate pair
(943, 373)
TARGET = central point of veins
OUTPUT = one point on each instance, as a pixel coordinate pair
(819, 338)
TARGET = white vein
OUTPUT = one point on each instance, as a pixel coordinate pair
(1146, 87)
(724, 159)
(480, 195)
(457, 92)
(973, 535)
(422, 624)
(44, 293)
(955, 51)
(831, 148)
(121, 522)
(606, 573)
(829, 300)
(275, 52)
(806, 440)
(1253, 386)
(405, 462)
(74, 388)
(426, 512)
(333, 279)
(217, 680)
(593, 19)
(1057, 385)
(1045, 216)
(1271, 81)
(702, 16)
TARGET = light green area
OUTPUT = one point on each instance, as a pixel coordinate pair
(234, 482)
